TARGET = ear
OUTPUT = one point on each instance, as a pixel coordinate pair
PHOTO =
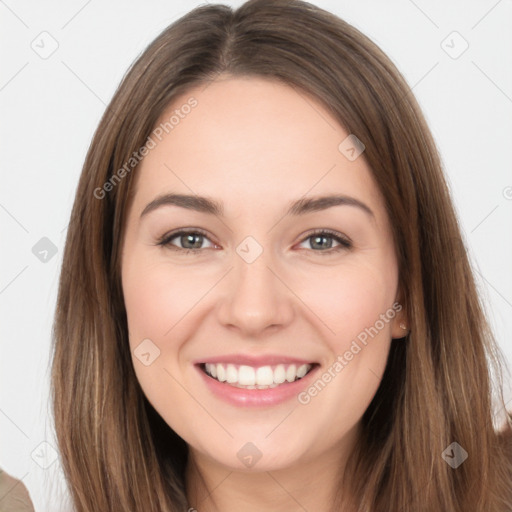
(400, 326)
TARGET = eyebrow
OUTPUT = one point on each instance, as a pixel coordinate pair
(210, 206)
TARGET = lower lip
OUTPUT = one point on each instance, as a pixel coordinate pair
(257, 397)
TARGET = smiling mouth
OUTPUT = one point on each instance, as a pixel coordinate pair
(262, 377)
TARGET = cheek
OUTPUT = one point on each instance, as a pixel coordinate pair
(146, 302)
(358, 310)
(351, 298)
(158, 296)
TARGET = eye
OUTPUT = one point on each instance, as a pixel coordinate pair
(189, 240)
(322, 241)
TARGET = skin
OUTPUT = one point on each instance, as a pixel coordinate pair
(257, 145)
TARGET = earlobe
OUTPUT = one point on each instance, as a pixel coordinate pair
(404, 328)
(400, 327)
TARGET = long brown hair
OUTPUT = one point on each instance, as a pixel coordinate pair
(117, 452)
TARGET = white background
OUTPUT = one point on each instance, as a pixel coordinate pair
(51, 107)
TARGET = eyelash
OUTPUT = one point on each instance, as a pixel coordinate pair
(345, 243)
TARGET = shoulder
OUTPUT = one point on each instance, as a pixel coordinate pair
(15, 495)
(505, 438)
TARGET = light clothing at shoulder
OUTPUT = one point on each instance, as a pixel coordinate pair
(14, 496)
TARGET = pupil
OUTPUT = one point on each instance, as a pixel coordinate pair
(190, 238)
(196, 241)
(317, 241)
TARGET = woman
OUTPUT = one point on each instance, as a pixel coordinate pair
(247, 371)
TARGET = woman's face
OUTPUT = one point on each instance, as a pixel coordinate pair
(257, 289)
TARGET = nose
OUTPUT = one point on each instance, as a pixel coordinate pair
(255, 298)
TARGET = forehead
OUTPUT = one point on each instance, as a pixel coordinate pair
(250, 141)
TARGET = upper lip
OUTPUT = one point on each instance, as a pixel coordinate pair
(255, 361)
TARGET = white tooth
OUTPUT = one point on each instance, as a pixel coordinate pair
(246, 376)
(256, 378)
(291, 373)
(231, 374)
(221, 373)
(264, 376)
(279, 374)
(302, 370)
